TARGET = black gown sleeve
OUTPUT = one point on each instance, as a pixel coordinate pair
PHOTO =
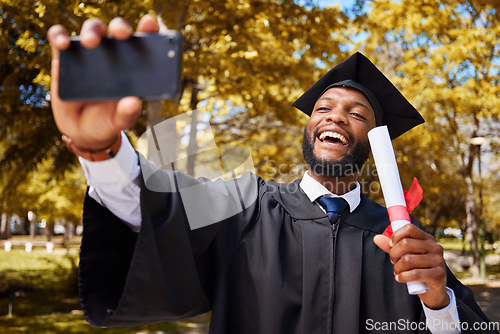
(168, 270)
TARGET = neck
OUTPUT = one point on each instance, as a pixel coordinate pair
(336, 185)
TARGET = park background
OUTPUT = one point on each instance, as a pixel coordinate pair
(244, 63)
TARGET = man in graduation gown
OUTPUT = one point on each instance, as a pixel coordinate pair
(283, 263)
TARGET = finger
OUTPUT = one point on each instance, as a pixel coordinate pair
(414, 246)
(418, 261)
(409, 231)
(433, 277)
(93, 30)
(59, 40)
(128, 110)
(382, 242)
(119, 28)
(148, 23)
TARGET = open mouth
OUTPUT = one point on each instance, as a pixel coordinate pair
(333, 137)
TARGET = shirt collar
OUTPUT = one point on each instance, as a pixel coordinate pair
(313, 189)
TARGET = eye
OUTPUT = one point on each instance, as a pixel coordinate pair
(357, 115)
(323, 109)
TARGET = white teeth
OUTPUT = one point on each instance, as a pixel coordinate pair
(332, 134)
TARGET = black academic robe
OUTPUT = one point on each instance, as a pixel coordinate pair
(272, 268)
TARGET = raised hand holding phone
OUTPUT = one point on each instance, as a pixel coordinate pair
(94, 125)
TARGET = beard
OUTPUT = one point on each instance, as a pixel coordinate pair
(350, 163)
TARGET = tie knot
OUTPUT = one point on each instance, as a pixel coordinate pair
(333, 204)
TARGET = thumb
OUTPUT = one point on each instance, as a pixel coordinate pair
(382, 242)
(128, 110)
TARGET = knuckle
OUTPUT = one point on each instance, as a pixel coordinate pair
(407, 260)
(405, 242)
(437, 248)
(417, 275)
(441, 271)
(440, 260)
(437, 273)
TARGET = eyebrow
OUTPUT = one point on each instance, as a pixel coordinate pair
(362, 105)
(354, 102)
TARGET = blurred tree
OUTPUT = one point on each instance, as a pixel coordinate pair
(275, 145)
(491, 214)
(444, 55)
(240, 56)
(29, 139)
(244, 59)
(49, 198)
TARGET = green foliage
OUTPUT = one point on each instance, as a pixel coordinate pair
(445, 58)
(274, 145)
(238, 52)
(43, 290)
(73, 322)
(19, 260)
(245, 62)
(256, 56)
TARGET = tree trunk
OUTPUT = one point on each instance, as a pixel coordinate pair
(66, 231)
(154, 117)
(463, 229)
(4, 226)
(472, 227)
(193, 144)
(153, 112)
(32, 230)
(162, 137)
(71, 230)
(49, 230)
(8, 231)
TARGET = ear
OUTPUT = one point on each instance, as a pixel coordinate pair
(382, 242)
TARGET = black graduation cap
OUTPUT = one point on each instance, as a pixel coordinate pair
(390, 106)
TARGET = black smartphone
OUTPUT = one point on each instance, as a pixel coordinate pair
(145, 65)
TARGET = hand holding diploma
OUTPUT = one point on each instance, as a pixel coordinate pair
(417, 258)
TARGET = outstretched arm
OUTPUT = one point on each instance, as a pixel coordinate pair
(93, 126)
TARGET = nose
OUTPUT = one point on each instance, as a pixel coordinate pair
(337, 115)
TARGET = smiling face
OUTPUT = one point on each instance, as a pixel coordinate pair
(335, 139)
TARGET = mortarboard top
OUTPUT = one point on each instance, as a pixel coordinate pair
(390, 106)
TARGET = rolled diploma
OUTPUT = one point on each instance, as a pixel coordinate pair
(388, 174)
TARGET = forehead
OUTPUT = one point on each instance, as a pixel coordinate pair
(346, 93)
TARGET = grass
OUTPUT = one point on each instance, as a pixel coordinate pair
(43, 289)
(72, 322)
(456, 245)
(453, 244)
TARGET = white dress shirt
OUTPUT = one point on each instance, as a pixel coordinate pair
(114, 184)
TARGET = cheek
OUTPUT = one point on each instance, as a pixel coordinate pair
(362, 133)
(309, 130)
(372, 125)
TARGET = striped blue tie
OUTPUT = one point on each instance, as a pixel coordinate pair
(333, 207)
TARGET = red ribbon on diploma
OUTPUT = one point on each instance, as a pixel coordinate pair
(413, 197)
